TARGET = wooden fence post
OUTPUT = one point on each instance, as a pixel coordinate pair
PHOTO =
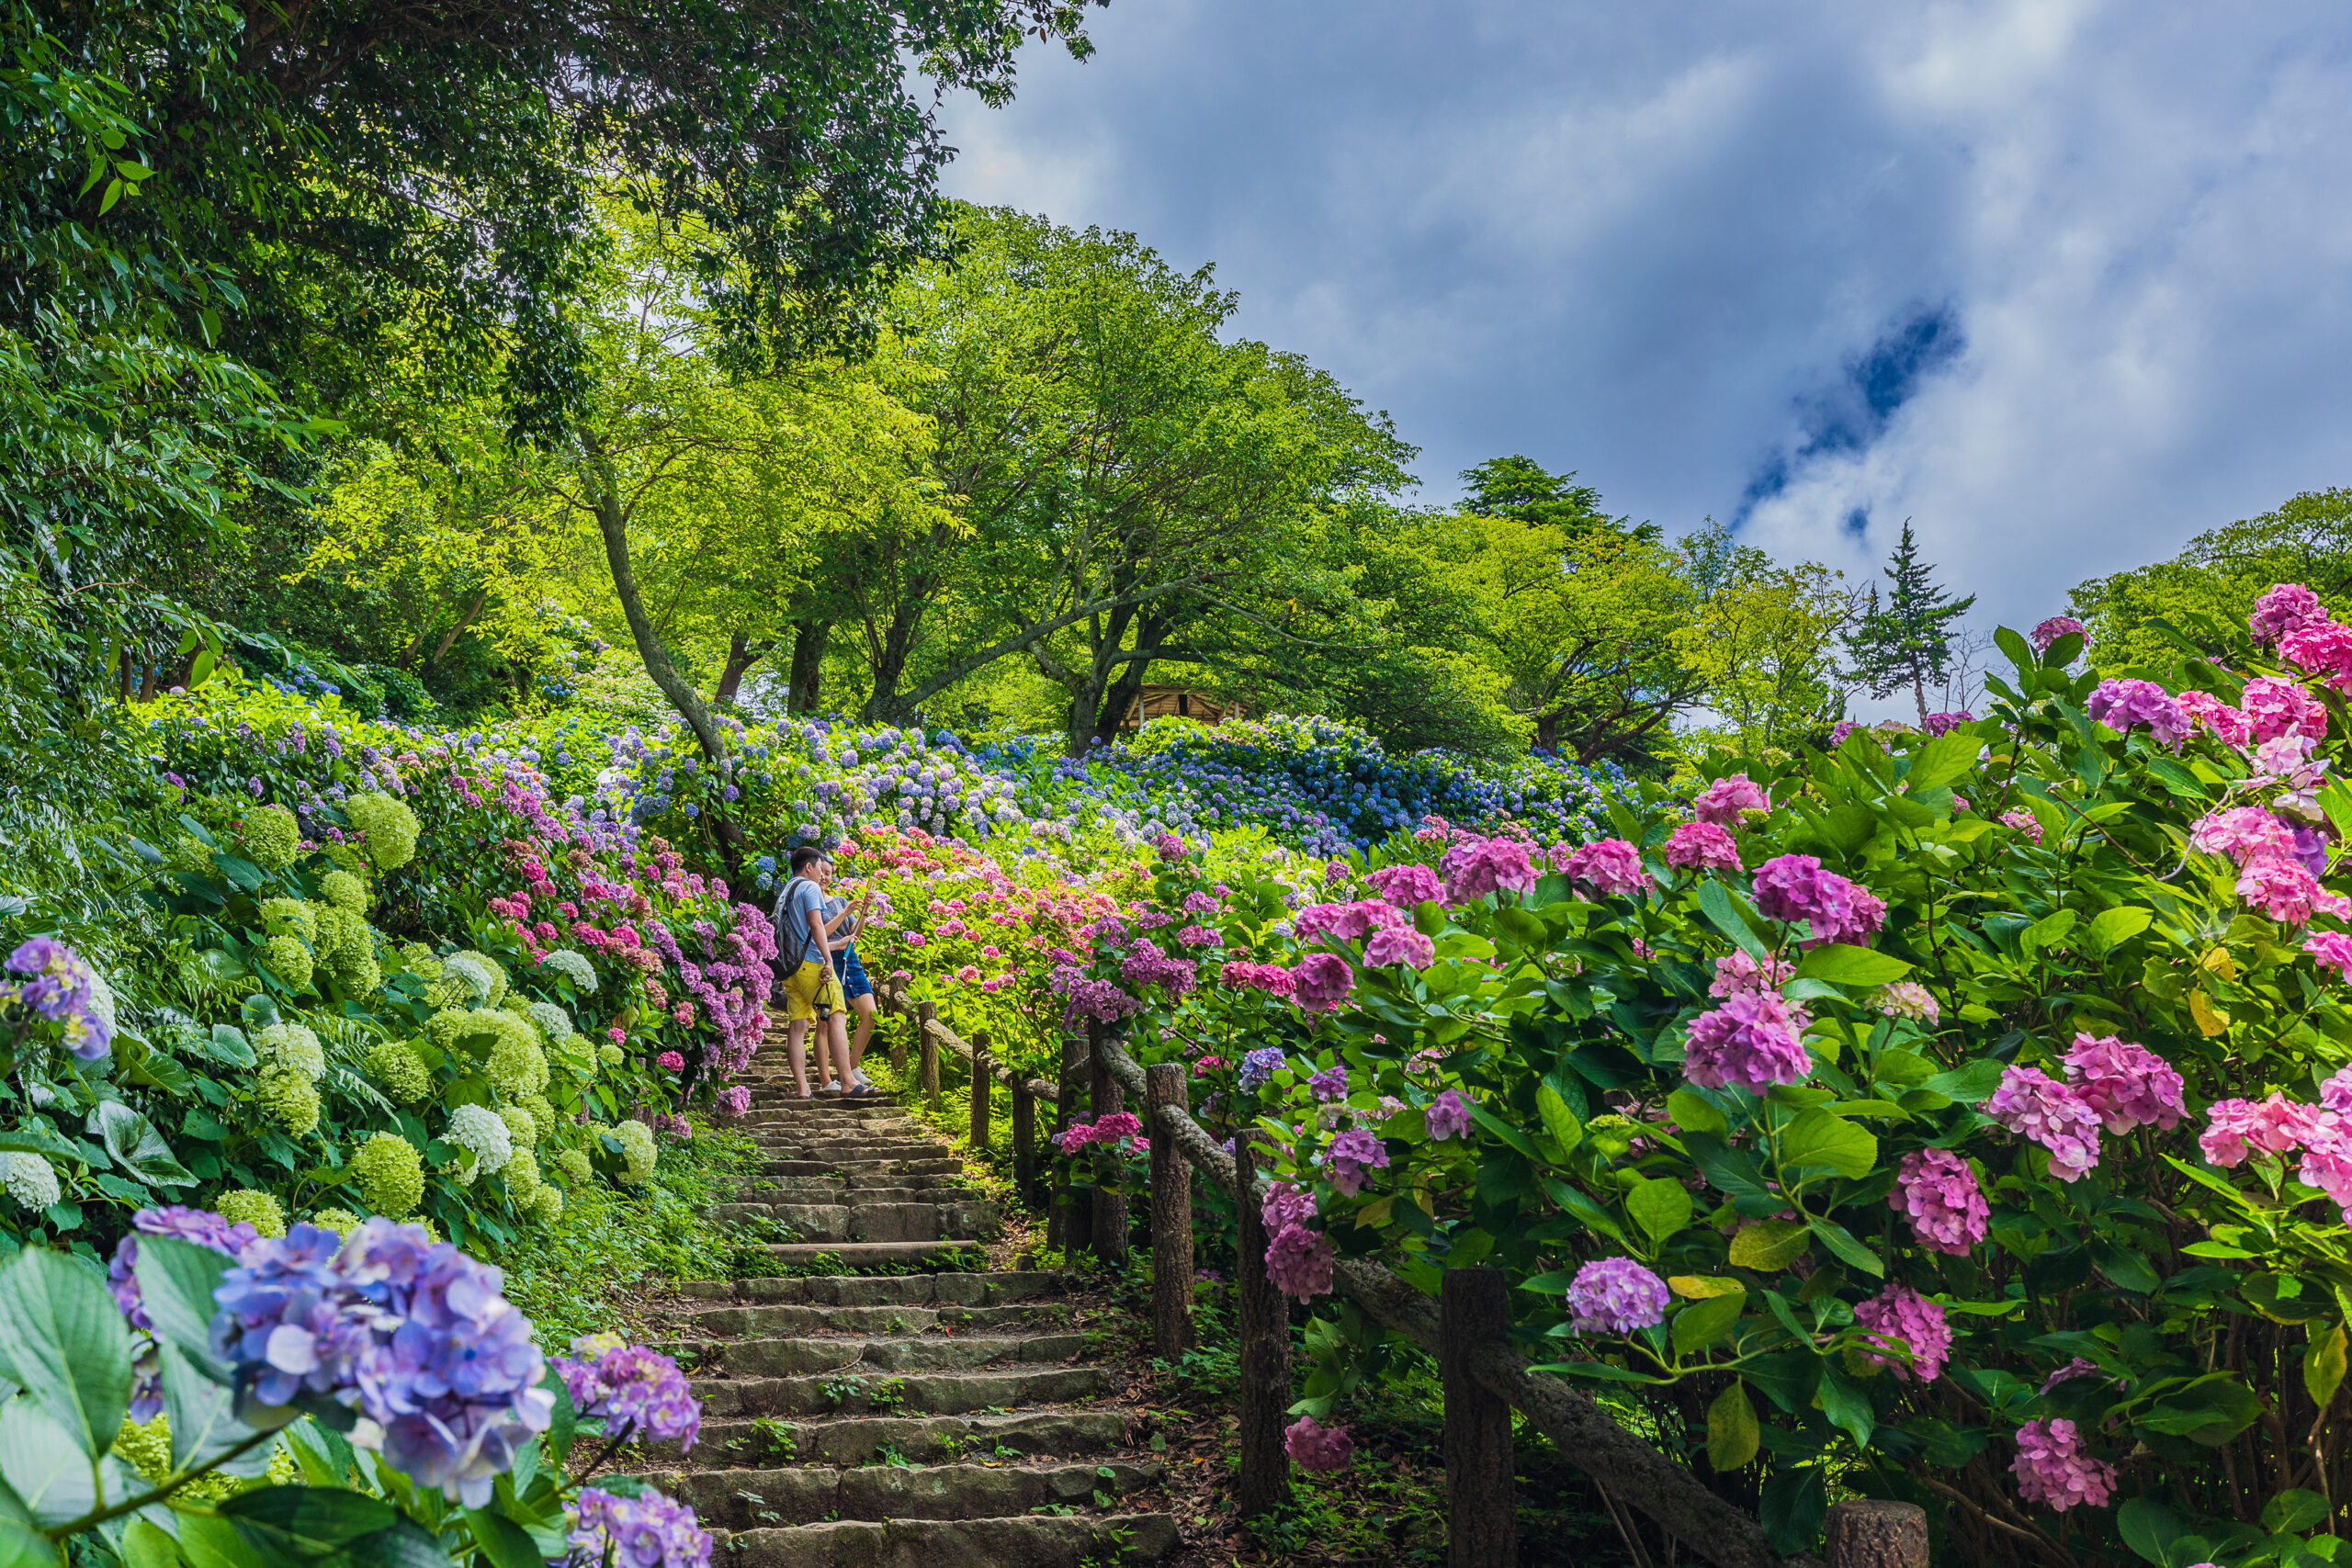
(899, 1004)
(1264, 1356)
(926, 1016)
(1873, 1532)
(1171, 1214)
(1024, 1139)
(1482, 1530)
(1110, 1203)
(981, 1084)
(1069, 1226)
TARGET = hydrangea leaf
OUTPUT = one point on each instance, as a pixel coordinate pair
(65, 1343)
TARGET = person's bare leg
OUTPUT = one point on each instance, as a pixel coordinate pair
(795, 1032)
(839, 1041)
(858, 1042)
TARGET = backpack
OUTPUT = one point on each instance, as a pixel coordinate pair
(787, 941)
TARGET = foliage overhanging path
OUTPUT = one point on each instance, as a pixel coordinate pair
(935, 1415)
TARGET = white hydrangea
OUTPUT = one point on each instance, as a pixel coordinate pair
(101, 1001)
(484, 1134)
(553, 1021)
(31, 1182)
(292, 1047)
(565, 961)
(476, 976)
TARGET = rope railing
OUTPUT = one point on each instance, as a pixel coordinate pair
(1628, 1473)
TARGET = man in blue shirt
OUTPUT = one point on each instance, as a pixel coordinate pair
(812, 994)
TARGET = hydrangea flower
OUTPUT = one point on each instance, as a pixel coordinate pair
(1259, 1065)
(1270, 977)
(645, 1531)
(735, 1100)
(1315, 1447)
(1702, 846)
(1399, 945)
(1737, 973)
(1938, 1192)
(2288, 892)
(2053, 1469)
(31, 1180)
(1606, 868)
(1324, 981)
(53, 980)
(1616, 1295)
(2129, 1085)
(1285, 1206)
(1329, 1083)
(1447, 1116)
(1351, 1158)
(1903, 1316)
(1724, 801)
(399, 1071)
(1750, 1043)
(638, 1393)
(2233, 1128)
(413, 1333)
(2056, 626)
(2275, 708)
(1487, 866)
(389, 1173)
(2323, 648)
(388, 828)
(2245, 833)
(2284, 607)
(1796, 887)
(1298, 1262)
(2229, 725)
(484, 1134)
(2122, 705)
(2024, 821)
(2034, 1105)
(256, 1212)
(1908, 998)
(1407, 885)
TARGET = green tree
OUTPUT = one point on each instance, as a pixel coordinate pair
(1907, 641)
(1765, 639)
(1522, 488)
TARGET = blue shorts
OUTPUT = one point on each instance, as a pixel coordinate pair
(853, 974)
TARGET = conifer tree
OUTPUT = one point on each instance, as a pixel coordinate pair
(1907, 641)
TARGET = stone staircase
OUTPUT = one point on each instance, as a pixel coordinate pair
(898, 1421)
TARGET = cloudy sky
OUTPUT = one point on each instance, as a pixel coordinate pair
(2065, 282)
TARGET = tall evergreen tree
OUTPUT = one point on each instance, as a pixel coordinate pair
(1907, 641)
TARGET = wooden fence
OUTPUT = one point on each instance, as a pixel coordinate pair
(1466, 1329)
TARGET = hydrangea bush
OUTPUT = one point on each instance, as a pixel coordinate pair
(1963, 1118)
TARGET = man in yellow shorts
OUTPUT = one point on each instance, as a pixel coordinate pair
(812, 993)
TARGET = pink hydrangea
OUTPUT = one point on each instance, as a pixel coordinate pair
(1324, 981)
(1487, 866)
(1270, 977)
(1350, 921)
(1752, 1043)
(2054, 629)
(2076, 1367)
(2123, 705)
(1901, 1316)
(2032, 1104)
(1939, 1193)
(671, 1060)
(1606, 868)
(1298, 1262)
(1908, 998)
(1722, 802)
(1312, 1446)
(1399, 945)
(2327, 1165)
(2285, 607)
(2288, 893)
(2335, 1092)
(1737, 973)
(1796, 887)
(2209, 712)
(2024, 821)
(1616, 1295)
(2321, 647)
(2235, 1128)
(1353, 1157)
(1285, 1206)
(1944, 723)
(1702, 846)
(2053, 1471)
(2245, 833)
(2275, 707)
(2331, 950)
(735, 1099)
(2129, 1085)
(1407, 885)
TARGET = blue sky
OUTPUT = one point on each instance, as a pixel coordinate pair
(2062, 282)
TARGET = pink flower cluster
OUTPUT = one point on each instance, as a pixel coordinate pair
(2053, 1469)
(1473, 869)
(1901, 1316)
(1447, 1116)
(2209, 712)
(1407, 885)
(2034, 1105)
(2129, 1085)
(1313, 1446)
(1324, 981)
(2275, 708)
(1616, 1295)
(1350, 922)
(2285, 608)
(2024, 821)
(1752, 1041)
(2122, 705)
(1796, 887)
(1722, 803)
(1353, 1157)
(1399, 945)
(1736, 973)
(2056, 626)
(1702, 846)
(1298, 1262)
(1270, 977)
(1939, 1194)
(1606, 868)
(1118, 1131)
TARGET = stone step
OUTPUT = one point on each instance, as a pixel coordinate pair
(857, 1387)
(797, 1356)
(1037, 1541)
(852, 1254)
(945, 1289)
(872, 1222)
(834, 1190)
(751, 1499)
(924, 1440)
(861, 1167)
(790, 1319)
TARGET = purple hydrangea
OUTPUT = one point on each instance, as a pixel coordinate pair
(1399, 945)
(2053, 1471)
(1616, 1295)
(639, 1392)
(1286, 1206)
(56, 983)
(1448, 1115)
(198, 1226)
(2054, 627)
(2034, 1104)
(1259, 1065)
(2282, 610)
(1940, 1193)
(1407, 885)
(1101, 1000)
(1145, 965)
(1352, 1158)
(1324, 981)
(1752, 1041)
(411, 1332)
(1901, 1316)
(1298, 1262)
(1488, 866)
(2121, 704)
(1944, 723)
(1313, 1446)
(1331, 1084)
(645, 1531)
(1796, 887)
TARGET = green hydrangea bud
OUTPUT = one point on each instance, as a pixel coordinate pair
(291, 1100)
(636, 1148)
(343, 1221)
(574, 1163)
(396, 1069)
(344, 891)
(523, 1180)
(289, 917)
(292, 1047)
(522, 1124)
(273, 839)
(609, 1053)
(389, 1173)
(388, 826)
(243, 1205)
(288, 960)
(146, 1447)
(546, 1205)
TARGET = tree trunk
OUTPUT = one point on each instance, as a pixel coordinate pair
(804, 687)
(742, 653)
(464, 618)
(1919, 694)
(612, 520)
